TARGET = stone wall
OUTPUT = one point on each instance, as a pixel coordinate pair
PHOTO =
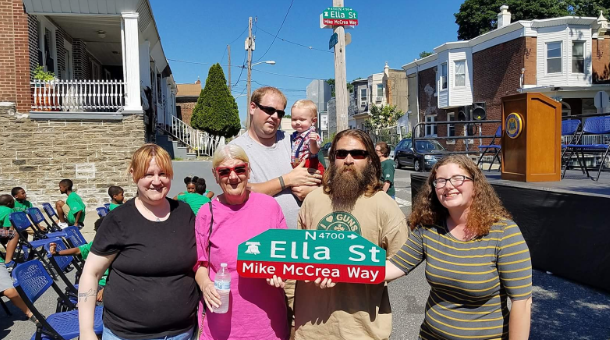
(37, 154)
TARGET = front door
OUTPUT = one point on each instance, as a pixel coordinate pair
(68, 71)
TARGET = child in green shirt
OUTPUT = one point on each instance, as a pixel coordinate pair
(83, 251)
(116, 196)
(72, 211)
(7, 203)
(22, 205)
(197, 198)
(191, 184)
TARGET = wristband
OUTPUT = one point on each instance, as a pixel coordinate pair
(282, 183)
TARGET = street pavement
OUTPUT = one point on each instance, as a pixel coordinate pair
(561, 309)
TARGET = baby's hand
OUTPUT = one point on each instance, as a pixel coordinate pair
(314, 136)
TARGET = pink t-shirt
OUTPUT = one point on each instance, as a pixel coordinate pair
(257, 310)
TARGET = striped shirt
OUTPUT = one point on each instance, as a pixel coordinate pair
(469, 280)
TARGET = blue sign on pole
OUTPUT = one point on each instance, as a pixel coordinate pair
(334, 39)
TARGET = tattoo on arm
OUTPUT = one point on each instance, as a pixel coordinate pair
(83, 296)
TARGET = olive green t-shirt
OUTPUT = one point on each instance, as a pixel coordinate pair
(387, 175)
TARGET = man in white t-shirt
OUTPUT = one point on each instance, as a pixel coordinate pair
(269, 153)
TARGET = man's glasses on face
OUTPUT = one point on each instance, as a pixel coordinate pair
(356, 154)
(456, 181)
(226, 171)
(270, 110)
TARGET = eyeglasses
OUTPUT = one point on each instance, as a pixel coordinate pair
(225, 171)
(456, 181)
(270, 110)
(356, 154)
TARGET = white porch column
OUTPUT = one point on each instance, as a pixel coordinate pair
(131, 46)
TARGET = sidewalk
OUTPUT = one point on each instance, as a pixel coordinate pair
(87, 230)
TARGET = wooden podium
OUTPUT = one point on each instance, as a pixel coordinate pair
(531, 138)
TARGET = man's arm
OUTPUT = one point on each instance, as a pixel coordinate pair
(386, 186)
(299, 176)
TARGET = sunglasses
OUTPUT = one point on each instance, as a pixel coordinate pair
(225, 171)
(356, 154)
(270, 110)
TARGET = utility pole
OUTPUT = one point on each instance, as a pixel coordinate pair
(249, 48)
(229, 69)
(341, 95)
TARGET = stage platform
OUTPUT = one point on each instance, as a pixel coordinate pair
(566, 224)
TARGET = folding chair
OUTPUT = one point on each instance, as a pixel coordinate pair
(101, 211)
(492, 148)
(569, 127)
(31, 281)
(37, 218)
(75, 238)
(61, 264)
(20, 222)
(593, 126)
(50, 211)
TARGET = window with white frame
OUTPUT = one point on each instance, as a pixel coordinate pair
(578, 57)
(443, 76)
(363, 96)
(553, 57)
(460, 73)
(379, 90)
(450, 127)
(47, 54)
(430, 128)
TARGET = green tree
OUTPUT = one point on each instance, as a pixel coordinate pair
(383, 117)
(424, 54)
(216, 111)
(590, 8)
(477, 17)
(331, 82)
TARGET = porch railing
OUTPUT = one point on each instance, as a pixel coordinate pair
(78, 95)
(198, 141)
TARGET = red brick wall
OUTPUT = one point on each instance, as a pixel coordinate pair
(14, 55)
(600, 55)
(496, 73)
(187, 111)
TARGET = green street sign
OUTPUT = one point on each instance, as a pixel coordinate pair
(340, 13)
(343, 256)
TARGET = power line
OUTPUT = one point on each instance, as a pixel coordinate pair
(294, 43)
(280, 88)
(225, 51)
(199, 63)
(278, 31)
(243, 65)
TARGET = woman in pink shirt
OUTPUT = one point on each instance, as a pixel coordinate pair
(256, 310)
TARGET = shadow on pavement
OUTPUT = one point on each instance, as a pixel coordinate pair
(565, 310)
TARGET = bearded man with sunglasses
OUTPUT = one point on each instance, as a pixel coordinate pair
(269, 151)
(351, 199)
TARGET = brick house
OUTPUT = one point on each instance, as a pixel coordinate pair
(565, 58)
(113, 91)
(186, 99)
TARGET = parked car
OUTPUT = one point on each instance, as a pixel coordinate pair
(392, 151)
(324, 149)
(406, 155)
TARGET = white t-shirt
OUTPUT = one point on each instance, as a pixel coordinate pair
(271, 162)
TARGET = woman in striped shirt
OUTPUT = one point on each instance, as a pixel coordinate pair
(475, 257)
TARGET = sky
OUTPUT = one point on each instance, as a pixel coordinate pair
(195, 34)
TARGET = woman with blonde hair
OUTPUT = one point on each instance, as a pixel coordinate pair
(151, 291)
(256, 310)
(475, 257)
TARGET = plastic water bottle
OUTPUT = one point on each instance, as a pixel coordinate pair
(222, 283)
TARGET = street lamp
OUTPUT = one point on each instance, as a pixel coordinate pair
(248, 85)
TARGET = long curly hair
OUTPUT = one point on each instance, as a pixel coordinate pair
(374, 176)
(485, 209)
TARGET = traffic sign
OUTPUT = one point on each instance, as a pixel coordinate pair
(343, 256)
(340, 13)
(333, 41)
(340, 22)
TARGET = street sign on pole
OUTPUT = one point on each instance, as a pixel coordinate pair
(340, 13)
(334, 39)
(342, 256)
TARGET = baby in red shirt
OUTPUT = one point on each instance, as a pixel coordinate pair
(305, 141)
